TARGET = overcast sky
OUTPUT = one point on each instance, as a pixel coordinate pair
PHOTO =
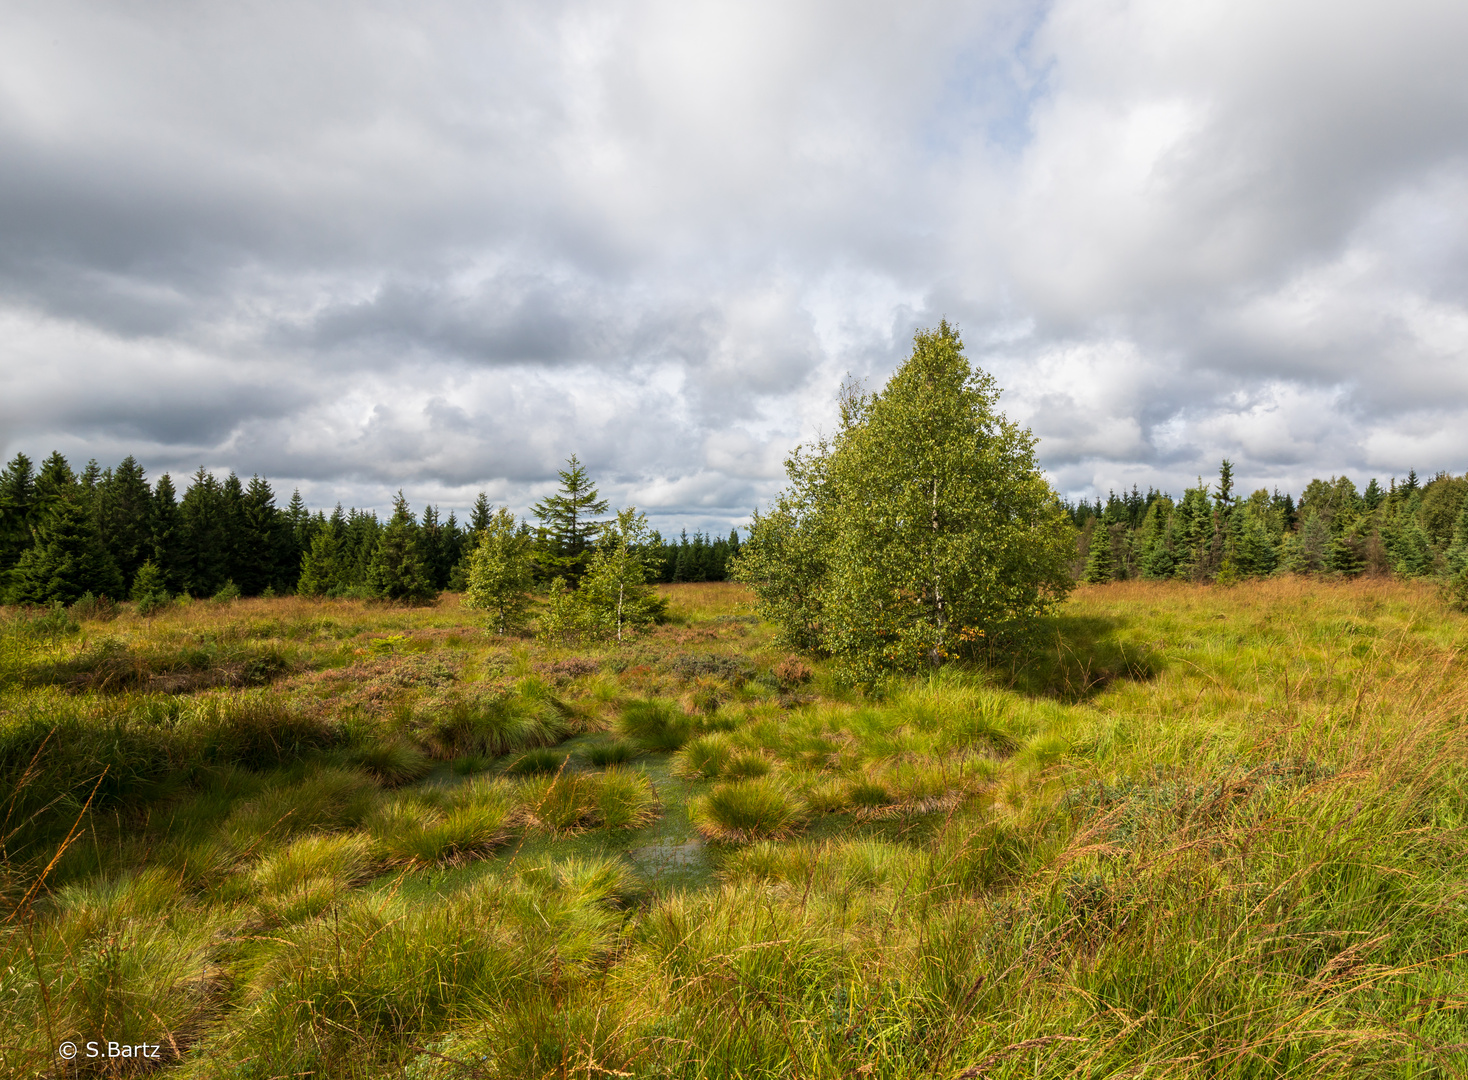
(440, 246)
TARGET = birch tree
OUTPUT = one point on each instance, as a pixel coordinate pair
(500, 572)
(614, 596)
(934, 528)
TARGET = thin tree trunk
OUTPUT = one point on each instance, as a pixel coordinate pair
(937, 581)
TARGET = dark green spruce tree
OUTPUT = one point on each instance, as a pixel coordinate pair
(398, 570)
(124, 509)
(263, 541)
(203, 560)
(17, 502)
(1100, 565)
(167, 533)
(569, 523)
(67, 561)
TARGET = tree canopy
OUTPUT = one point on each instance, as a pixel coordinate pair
(921, 530)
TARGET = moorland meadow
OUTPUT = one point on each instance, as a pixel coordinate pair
(1194, 830)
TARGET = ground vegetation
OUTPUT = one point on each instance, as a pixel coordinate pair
(1195, 831)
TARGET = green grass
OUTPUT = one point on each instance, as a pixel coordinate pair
(745, 810)
(1194, 832)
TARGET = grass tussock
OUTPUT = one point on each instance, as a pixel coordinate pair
(746, 810)
(655, 725)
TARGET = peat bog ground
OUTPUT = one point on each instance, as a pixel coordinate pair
(1196, 832)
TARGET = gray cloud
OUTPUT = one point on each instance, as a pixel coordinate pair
(441, 246)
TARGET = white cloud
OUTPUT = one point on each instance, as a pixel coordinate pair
(444, 245)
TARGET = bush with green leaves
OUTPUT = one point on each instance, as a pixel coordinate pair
(500, 573)
(614, 597)
(923, 528)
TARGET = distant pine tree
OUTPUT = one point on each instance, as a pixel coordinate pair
(298, 532)
(1407, 542)
(1256, 550)
(124, 515)
(398, 571)
(1457, 554)
(264, 542)
(1346, 555)
(1100, 565)
(321, 566)
(202, 564)
(91, 476)
(1193, 535)
(569, 519)
(167, 533)
(1225, 485)
(17, 499)
(479, 516)
(67, 561)
(55, 483)
(1310, 547)
(683, 562)
(1373, 496)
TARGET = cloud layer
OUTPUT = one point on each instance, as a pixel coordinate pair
(442, 246)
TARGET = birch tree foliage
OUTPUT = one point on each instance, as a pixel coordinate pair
(923, 531)
(500, 572)
(785, 560)
(614, 596)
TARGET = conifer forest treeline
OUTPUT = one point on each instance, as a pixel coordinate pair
(111, 533)
(1407, 528)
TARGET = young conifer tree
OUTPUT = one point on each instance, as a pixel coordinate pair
(569, 523)
(148, 589)
(397, 570)
(67, 561)
(500, 573)
(1100, 563)
(321, 566)
(1457, 553)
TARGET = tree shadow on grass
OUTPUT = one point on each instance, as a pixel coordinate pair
(1075, 657)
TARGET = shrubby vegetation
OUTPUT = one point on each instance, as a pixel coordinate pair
(921, 530)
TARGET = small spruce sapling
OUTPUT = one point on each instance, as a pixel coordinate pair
(1100, 565)
(148, 590)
